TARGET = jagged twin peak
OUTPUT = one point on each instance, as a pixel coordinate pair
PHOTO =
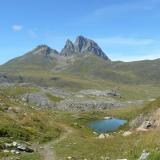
(82, 45)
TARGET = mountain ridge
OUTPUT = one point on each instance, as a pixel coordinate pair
(74, 62)
(83, 45)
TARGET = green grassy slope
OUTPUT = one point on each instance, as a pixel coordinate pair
(135, 79)
(91, 66)
(20, 122)
(23, 123)
(117, 146)
(119, 72)
(30, 61)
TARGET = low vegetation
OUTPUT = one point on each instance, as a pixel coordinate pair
(53, 98)
(24, 123)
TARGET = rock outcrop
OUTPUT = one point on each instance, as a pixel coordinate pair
(83, 45)
(38, 99)
(144, 155)
(43, 50)
(68, 49)
(16, 148)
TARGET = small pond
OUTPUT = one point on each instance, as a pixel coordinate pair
(106, 125)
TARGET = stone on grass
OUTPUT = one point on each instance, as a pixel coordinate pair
(144, 155)
(6, 151)
(14, 144)
(127, 133)
(101, 136)
(107, 118)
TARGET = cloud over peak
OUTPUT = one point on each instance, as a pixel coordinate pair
(17, 28)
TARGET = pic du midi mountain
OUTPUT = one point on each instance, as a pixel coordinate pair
(83, 58)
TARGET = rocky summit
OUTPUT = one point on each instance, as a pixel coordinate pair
(43, 50)
(68, 49)
(82, 45)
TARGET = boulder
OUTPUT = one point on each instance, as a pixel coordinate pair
(38, 99)
(107, 118)
(146, 124)
(24, 148)
(14, 151)
(127, 133)
(95, 133)
(144, 155)
(8, 145)
(6, 151)
(101, 136)
(107, 135)
(14, 144)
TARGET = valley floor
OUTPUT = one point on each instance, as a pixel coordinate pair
(62, 135)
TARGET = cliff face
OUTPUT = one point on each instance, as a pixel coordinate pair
(82, 45)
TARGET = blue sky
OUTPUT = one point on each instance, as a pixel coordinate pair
(125, 29)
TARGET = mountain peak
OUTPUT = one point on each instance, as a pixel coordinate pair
(83, 45)
(68, 48)
(80, 43)
(43, 50)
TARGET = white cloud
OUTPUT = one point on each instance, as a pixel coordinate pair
(124, 41)
(130, 49)
(142, 5)
(137, 57)
(17, 28)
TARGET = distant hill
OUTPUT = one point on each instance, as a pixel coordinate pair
(40, 57)
(138, 72)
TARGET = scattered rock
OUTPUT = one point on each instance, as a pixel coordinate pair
(37, 99)
(8, 145)
(107, 135)
(15, 144)
(24, 148)
(15, 151)
(144, 155)
(95, 133)
(137, 121)
(6, 151)
(146, 124)
(16, 148)
(86, 105)
(107, 118)
(101, 136)
(127, 133)
(75, 124)
(104, 158)
(98, 93)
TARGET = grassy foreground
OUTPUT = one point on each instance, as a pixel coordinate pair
(82, 144)
(23, 123)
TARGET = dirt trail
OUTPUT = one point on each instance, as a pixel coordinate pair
(47, 150)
